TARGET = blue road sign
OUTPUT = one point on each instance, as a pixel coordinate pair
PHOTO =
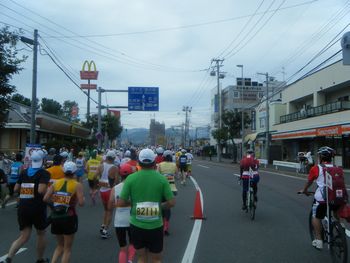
(143, 98)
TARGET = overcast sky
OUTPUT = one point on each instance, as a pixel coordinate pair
(169, 44)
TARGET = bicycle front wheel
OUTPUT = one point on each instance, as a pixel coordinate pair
(338, 245)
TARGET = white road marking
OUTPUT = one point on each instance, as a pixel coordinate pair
(19, 251)
(11, 203)
(347, 232)
(192, 242)
(203, 166)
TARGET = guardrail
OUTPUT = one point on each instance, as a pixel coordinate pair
(296, 166)
(263, 161)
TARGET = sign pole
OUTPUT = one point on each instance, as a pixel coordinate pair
(99, 130)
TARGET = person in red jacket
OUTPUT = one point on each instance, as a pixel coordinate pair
(249, 168)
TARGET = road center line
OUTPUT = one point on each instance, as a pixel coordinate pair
(203, 166)
(19, 251)
(192, 242)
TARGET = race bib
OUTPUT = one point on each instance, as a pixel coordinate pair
(339, 193)
(147, 211)
(93, 169)
(61, 199)
(27, 191)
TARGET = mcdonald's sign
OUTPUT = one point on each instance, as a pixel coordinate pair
(89, 73)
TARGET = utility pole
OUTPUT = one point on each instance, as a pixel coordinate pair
(218, 75)
(242, 103)
(188, 110)
(267, 148)
(34, 43)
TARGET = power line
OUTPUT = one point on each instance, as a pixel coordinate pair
(232, 53)
(184, 26)
(335, 18)
(122, 56)
(242, 30)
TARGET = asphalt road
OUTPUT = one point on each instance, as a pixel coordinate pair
(278, 234)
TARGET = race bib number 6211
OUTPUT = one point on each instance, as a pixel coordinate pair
(147, 211)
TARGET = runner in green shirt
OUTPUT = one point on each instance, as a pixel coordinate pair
(149, 192)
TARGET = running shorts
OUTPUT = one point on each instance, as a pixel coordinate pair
(319, 210)
(183, 168)
(93, 183)
(151, 239)
(29, 218)
(121, 233)
(65, 225)
(105, 196)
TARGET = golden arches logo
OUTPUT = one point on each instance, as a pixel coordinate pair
(89, 65)
(89, 73)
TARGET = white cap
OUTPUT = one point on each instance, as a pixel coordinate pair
(159, 150)
(127, 153)
(183, 151)
(147, 156)
(64, 154)
(37, 159)
(69, 167)
(167, 152)
(111, 154)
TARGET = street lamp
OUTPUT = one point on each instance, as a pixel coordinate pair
(242, 149)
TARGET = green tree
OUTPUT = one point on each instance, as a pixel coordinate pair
(112, 126)
(51, 106)
(232, 121)
(67, 109)
(9, 65)
(21, 99)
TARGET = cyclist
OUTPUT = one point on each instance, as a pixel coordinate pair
(122, 217)
(63, 195)
(319, 207)
(146, 189)
(249, 164)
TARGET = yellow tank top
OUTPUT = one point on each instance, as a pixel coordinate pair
(64, 198)
(92, 166)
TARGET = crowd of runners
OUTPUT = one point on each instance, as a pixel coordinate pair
(137, 185)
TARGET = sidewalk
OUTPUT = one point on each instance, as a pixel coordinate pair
(269, 167)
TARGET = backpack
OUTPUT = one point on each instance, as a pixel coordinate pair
(335, 185)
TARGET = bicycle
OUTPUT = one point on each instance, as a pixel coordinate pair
(333, 234)
(250, 203)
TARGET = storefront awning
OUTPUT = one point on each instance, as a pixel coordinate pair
(250, 137)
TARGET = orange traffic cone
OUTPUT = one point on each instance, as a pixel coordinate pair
(198, 211)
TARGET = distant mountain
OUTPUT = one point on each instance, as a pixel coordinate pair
(135, 136)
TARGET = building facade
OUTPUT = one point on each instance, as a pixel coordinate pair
(157, 133)
(16, 133)
(317, 113)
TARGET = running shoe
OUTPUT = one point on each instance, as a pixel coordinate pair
(42, 260)
(104, 234)
(318, 244)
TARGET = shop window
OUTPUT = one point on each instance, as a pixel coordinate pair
(236, 94)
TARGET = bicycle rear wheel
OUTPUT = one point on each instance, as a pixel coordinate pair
(251, 206)
(338, 245)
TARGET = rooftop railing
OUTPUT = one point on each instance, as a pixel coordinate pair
(316, 111)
